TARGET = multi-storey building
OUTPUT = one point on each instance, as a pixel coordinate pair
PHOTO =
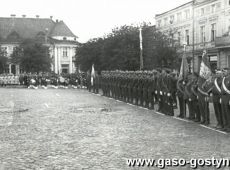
(56, 35)
(200, 24)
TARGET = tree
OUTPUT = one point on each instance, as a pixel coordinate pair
(158, 49)
(32, 56)
(3, 60)
(120, 49)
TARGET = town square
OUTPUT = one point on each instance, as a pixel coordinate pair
(114, 85)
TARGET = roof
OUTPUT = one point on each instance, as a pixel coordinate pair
(174, 8)
(61, 29)
(12, 28)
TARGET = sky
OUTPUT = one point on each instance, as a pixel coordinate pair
(90, 18)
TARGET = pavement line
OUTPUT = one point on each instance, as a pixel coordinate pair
(173, 116)
(46, 105)
(214, 129)
(57, 94)
(159, 113)
(181, 119)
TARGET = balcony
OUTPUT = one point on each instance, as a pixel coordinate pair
(222, 42)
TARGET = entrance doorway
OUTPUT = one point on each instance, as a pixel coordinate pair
(13, 69)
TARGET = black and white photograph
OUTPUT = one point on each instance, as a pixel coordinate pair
(114, 84)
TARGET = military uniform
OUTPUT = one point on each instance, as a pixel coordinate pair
(225, 102)
(216, 98)
(181, 96)
(190, 98)
(203, 98)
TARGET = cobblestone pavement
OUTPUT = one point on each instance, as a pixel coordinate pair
(74, 129)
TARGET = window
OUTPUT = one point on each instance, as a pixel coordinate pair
(171, 19)
(213, 62)
(213, 8)
(179, 37)
(202, 11)
(202, 34)
(64, 38)
(159, 23)
(179, 16)
(166, 21)
(213, 32)
(187, 36)
(65, 54)
(187, 14)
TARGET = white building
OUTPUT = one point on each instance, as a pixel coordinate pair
(60, 39)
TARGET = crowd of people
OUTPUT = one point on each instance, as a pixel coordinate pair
(44, 80)
(164, 89)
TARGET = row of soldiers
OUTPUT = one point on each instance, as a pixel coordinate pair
(143, 88)
(162, 89)
(43, 79)
(197, 93)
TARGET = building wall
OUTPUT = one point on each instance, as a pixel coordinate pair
(213, 15)
(182, 21)
(63, 55)
(60, 54)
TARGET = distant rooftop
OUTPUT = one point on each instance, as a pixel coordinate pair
(174, 8)
(23, 28)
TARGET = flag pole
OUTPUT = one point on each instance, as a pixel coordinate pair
(141, 49)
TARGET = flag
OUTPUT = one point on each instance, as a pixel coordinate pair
(205, 69)
(92, 74)
(184, 68)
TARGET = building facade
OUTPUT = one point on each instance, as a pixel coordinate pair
(200, 24)
(56, 35)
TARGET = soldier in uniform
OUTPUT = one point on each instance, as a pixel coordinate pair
(170, 87)
(181, 96)
(194, 90)
(216, 98)
(204, 90)
(145, 89)
(190, 97)
(225, 101)
(151, 90)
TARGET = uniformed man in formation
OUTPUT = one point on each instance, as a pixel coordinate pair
(142, 88)
(196, 94)
(161, 89)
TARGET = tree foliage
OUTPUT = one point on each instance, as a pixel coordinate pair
(121, 50)
(32, 56)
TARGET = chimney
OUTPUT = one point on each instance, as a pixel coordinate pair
(51, 17)
(23, 16)
(56, 20)
(37, 16)
(13, 15)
